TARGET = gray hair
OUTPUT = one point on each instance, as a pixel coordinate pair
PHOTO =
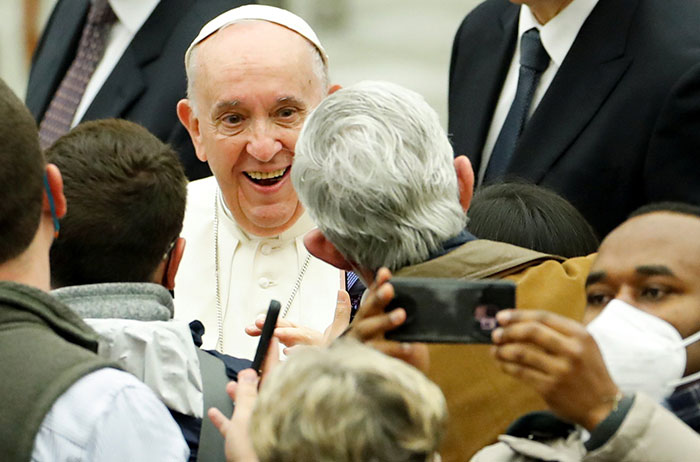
(374, 168)
(318, 66)
(347, 403)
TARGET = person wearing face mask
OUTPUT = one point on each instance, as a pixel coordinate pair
(626, 386)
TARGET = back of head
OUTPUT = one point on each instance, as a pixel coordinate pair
(375, 170)
(347, 403)
(667, 206)
(21, 174)
(126, 193)
(533, 217)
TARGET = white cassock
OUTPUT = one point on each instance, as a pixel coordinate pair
(252, 271)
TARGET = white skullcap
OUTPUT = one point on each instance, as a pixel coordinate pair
(262, 13)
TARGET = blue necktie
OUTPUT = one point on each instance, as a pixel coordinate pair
(533, 61)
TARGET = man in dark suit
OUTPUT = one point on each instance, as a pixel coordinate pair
(148, 78)
(613, 123)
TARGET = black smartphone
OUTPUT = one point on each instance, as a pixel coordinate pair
(268, 329)
(449, 310)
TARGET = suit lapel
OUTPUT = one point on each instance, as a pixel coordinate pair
(483, 82)
(55, 53)
(590, 72)
(127, 81)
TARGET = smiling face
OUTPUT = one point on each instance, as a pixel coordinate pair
(652, 262)
(254, 85)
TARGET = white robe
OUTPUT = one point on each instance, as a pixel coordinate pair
(252, 271)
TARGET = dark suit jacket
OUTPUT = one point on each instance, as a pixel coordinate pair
(620, 124)
(148, 80)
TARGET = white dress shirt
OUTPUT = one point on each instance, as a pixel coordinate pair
(253, 270)
(557, 37)
(109, 415)
(131, 14)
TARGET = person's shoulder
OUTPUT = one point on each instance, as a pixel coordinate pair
(200, 193)
(111, 413)
(552, 285)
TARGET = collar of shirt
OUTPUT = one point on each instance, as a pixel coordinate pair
(133, 13)
(303, 225)
(559, 33)
(452, 243)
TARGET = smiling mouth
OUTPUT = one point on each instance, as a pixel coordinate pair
(267, 178)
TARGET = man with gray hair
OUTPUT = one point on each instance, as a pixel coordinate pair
(382, 146)
(254, 74)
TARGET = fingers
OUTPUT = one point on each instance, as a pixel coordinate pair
(532, 377)
(246, 393)
(529, 356)
(272, 358)
(255, 329)
(218, 419)
(374, 327)
(561, 324)
(383, 275)
(542, 335)
(375, 301)
(291, 336)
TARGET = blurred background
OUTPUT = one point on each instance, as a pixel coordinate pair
(404, 41)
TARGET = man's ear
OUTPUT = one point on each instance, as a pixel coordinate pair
(55, 181)
(333, 89)
(465, 180)
(173, 263)
(321, 248)
(189, 120)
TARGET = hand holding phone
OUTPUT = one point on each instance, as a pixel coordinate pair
(268, 329)
(440, 310)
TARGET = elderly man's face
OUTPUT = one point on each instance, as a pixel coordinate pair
(653, 263)
(254, 84)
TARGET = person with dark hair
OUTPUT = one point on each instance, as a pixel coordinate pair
(60, 400)
(673, 207)
(127, 201)
(533, 217)
(631, 377)
(116, 259)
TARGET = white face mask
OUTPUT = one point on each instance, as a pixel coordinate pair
(641, 352)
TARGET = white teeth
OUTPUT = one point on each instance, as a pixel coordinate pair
(266, 175)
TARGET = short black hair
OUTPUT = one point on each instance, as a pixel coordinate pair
(126, 192)
(668, 206)
(533, 217)
(22, 169)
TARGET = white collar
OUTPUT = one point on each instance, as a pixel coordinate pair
(303, 225)
(133, 13)
(559, 33)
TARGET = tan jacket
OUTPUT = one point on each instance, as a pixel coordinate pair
(481, 399)
(649, 433)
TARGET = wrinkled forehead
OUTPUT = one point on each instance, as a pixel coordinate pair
(255, 46)
(658, 238)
